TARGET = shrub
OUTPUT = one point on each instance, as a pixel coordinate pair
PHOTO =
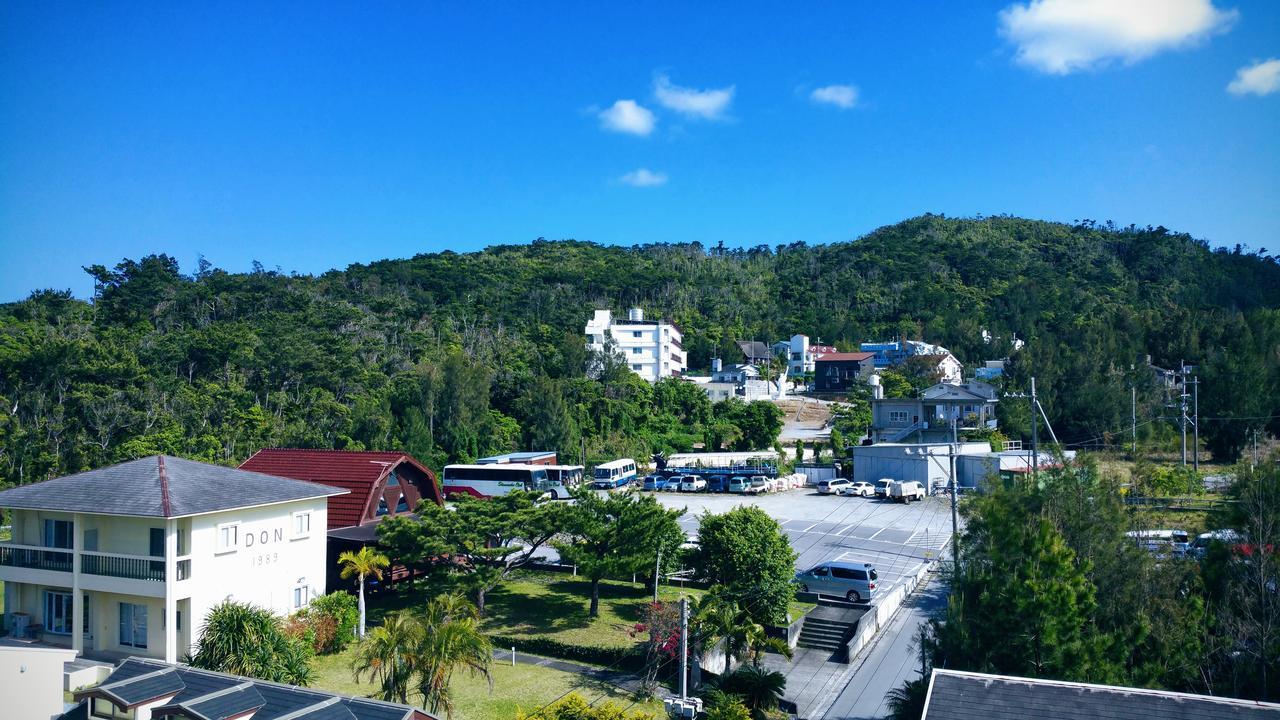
(631, 658)
(341, 608)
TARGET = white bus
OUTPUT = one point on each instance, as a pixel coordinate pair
(614, 474)
(561, 479)
(1162, 542)
(486, 481)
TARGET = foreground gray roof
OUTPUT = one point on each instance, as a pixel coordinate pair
(191, 693)
(955, 695)
(161, 486)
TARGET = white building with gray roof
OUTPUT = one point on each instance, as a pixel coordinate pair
(130, 558)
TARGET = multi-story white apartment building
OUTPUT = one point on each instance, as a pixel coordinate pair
(650, 348)
(802, 357)
(130, 558)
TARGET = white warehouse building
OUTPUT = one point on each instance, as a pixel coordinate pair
(652, 349)
(930, 465)
(130, 558)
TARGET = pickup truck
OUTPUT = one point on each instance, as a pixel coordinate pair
(906, 491)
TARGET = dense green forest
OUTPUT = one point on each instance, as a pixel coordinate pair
(455, 355)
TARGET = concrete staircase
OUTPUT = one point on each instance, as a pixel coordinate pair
(829, 627)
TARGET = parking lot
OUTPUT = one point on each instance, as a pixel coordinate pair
(896, 538)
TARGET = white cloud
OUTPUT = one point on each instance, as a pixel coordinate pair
(1260, 78)
(1061, 36)
(707, 104)
(643, 178)
(842, 96)
(627, 116)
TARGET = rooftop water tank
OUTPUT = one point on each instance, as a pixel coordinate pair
(635, 315)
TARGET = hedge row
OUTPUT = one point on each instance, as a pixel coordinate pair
(631, 658)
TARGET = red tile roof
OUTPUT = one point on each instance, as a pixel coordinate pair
(839, 356)
(360, 472)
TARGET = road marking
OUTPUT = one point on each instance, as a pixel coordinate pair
(873, 535)
(810, 528)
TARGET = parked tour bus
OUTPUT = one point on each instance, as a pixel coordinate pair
(1162, 542)
(614, 474)
(492, 480)
(561, 479)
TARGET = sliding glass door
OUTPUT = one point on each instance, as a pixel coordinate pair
(133, 625)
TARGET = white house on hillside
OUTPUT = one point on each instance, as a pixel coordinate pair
(131, 558)
(652, 349)
(802, 357)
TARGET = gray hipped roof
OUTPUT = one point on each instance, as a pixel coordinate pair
(955, 695)
(161, 486)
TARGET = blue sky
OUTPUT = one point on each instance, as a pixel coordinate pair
(309, 136)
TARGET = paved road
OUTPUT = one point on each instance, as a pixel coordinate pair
(890, 661)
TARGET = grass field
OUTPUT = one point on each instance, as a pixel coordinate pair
(555, 605)
(523, 687)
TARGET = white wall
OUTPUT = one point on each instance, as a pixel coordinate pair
(257, 572)
(31, 681)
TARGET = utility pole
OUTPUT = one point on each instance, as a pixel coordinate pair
(1195, 400)
(1182, 406)
(684, 648)
(1035, 430)
(955, 517)
(1133, 418)
(656, 566)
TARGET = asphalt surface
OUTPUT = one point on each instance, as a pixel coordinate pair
(896, 538)
(891, 660)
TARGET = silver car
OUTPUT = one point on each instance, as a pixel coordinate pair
(853, 581)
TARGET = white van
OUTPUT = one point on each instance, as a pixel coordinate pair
(853, 581)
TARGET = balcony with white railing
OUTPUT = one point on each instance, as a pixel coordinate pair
(111, 572)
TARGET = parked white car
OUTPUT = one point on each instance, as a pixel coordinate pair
(692, 483)
(832, 486)
(759, 485)
(906, 491)
(859, 489)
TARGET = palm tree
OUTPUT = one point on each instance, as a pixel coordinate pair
(759, 689)
(364, 563)
(907, 702)
(389, 655)
(451, 640)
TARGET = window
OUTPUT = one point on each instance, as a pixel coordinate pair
(57, 534)
(637, 333)
(392, 480)
(301, 524)
(104, 708)
(402, 505)
(133, 625)
(847, 574)
(157, 549)
(58, 612)
(91, 540)
(637, 368)
(228, 537)
(636, 351)
(164, 619)
(897, 416)
(820, 572)
(300, 597)
(382, 506)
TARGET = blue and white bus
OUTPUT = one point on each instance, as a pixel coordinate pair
(485, 481)
(614, 474)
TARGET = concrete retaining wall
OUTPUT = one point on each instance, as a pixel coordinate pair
(882, 613)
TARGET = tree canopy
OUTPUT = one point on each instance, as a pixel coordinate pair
(451, 355)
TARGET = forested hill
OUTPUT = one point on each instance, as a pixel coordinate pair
(453, 355)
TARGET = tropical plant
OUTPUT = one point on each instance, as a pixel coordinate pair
(242, 639)
(576, 707)
(907, 701)
(367, 562)
(422, 651)
(389, 654)
(760, 689)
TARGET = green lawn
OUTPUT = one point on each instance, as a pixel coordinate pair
(555, 605)
(523, 687)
